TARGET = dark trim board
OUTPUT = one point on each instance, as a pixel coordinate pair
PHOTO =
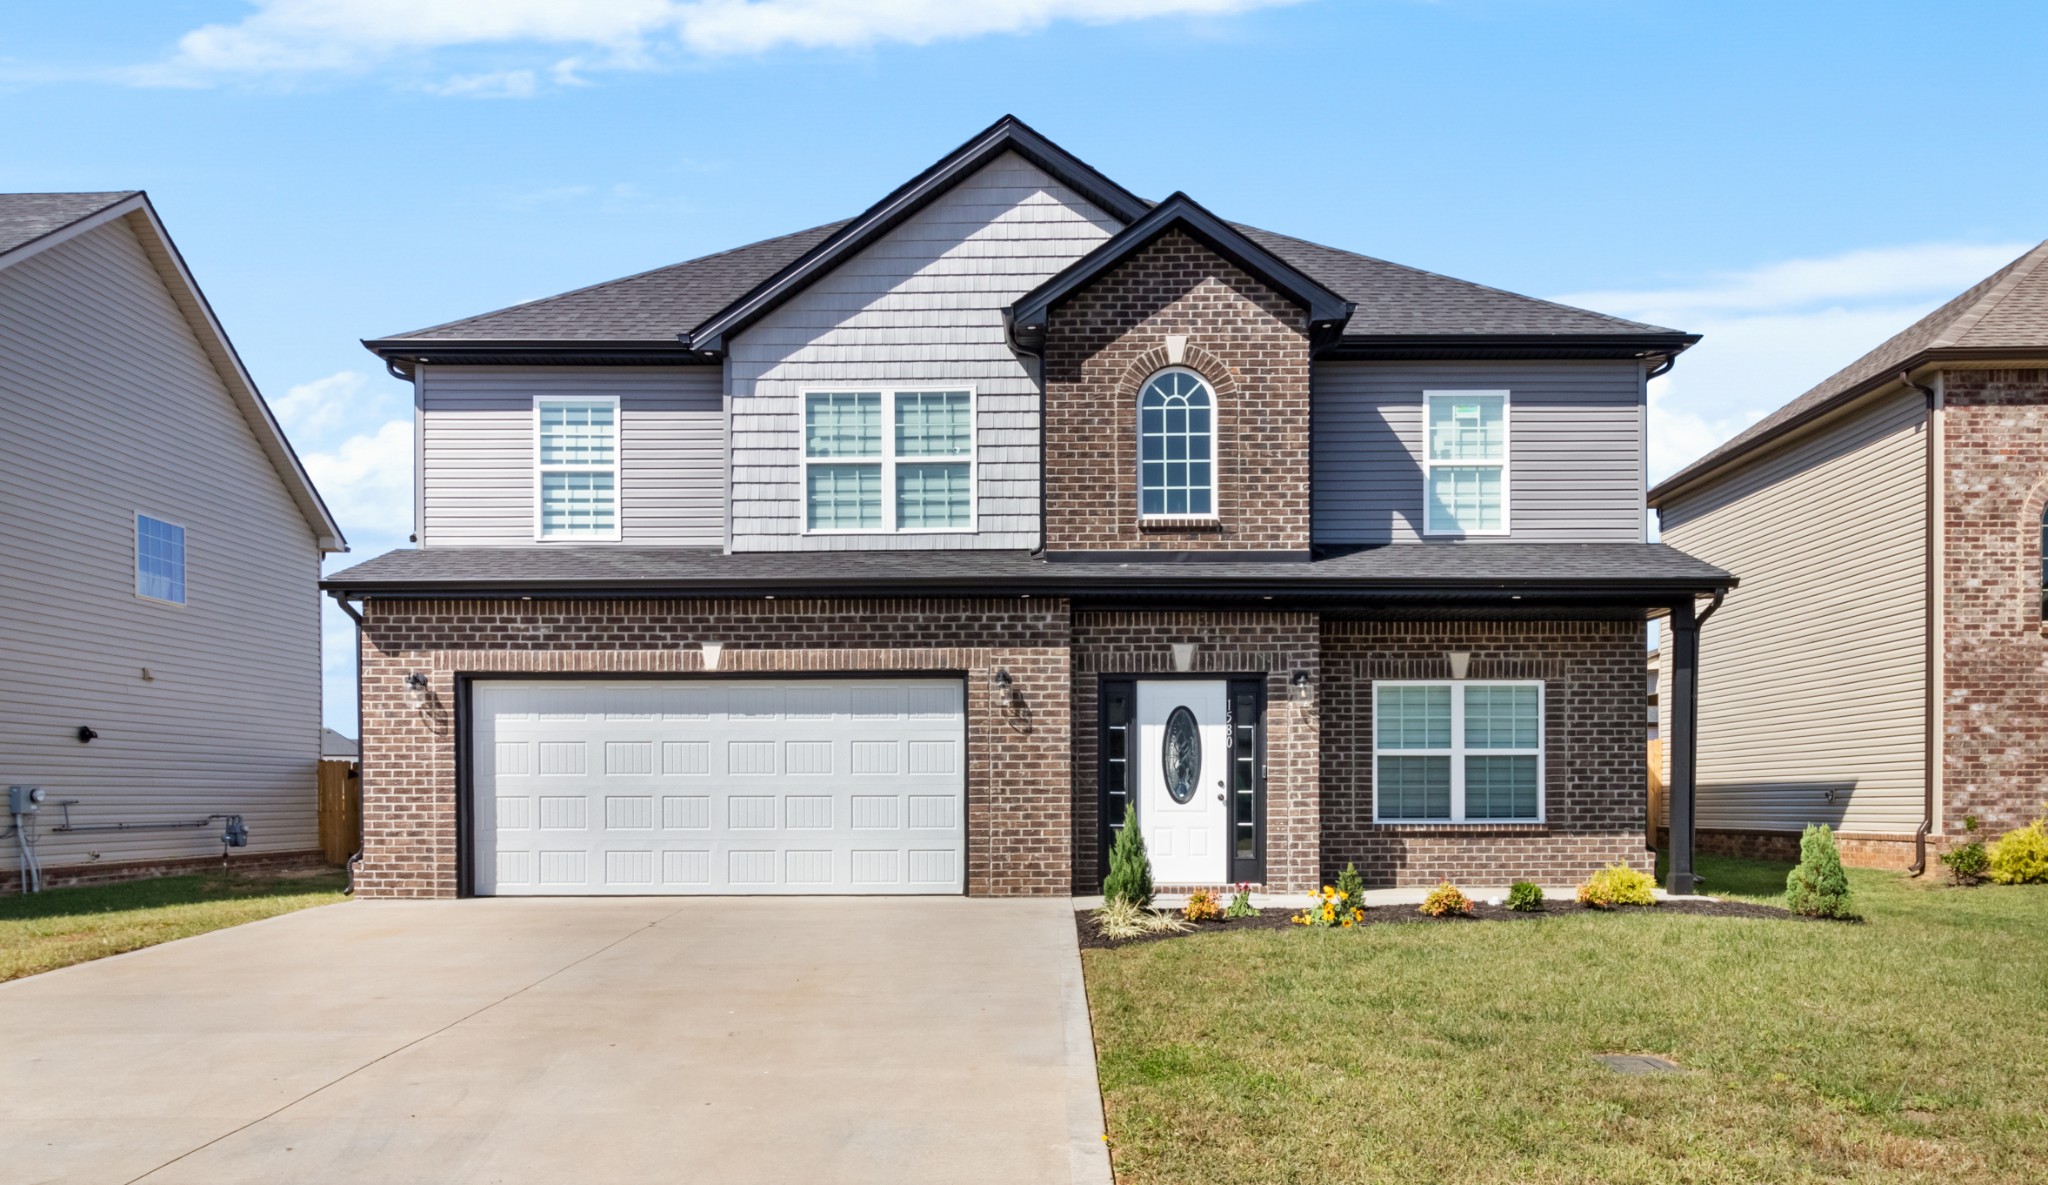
(465, 745)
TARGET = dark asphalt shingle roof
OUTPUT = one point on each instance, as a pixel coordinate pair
(1572, 567)
(653, 306)
(2008, 309)
(658, 305)
(26, 217)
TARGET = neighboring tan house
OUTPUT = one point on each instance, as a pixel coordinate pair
(1882, 669)
(159, 556)
(921, 552)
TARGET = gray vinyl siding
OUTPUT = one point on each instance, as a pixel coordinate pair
(1812, 674)
(476, 436)
(113, 408)
(1576, 448)
(923, 305)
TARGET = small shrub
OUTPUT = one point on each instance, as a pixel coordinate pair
(1818, 888)
(1119, 919)
(1525, 897)
(1331, 910)
(1446, 900)
(1618, 884)
(1202, 906)
(1241, 903)
(1130, 871)
(1967, 861)
(1351, 886)
(2021, 857)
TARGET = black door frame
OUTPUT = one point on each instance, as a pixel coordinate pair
(1250, 870)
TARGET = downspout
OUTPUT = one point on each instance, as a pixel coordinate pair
(1932, 693)
(356, 861)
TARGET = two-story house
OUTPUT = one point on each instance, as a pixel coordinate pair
(921, 552)
(160, 550)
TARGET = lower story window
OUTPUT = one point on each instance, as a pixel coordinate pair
(1458, 752)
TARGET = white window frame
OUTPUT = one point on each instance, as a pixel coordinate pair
(1458, 752)
(615, 469)
(1215, 511)
(1507, 452)
(184, 560)
(888, 458)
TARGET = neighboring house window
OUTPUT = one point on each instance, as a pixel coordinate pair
(159, 560)
(888, 461)
(1176, 447)
(577, 475)
(1457, 752)
(1465, 462)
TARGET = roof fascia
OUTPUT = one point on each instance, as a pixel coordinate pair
(1008, 134)
(1327, 311)
(1465, 346)
(220, 350)
(405, 352)
(1789, 432)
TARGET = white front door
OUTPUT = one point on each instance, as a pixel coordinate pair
(796, 786)
(1183, 732)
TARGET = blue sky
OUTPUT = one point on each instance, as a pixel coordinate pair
(1796, 181)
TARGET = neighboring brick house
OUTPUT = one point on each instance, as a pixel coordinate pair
(923, 551)
(1883, 668)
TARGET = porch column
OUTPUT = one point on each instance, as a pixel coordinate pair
(1683, 741)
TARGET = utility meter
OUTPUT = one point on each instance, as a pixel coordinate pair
(236, 833)
(24, 800)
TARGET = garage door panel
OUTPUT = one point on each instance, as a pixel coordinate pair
(795, 786)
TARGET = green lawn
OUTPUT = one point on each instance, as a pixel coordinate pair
(64, 926)
(1911, 1047)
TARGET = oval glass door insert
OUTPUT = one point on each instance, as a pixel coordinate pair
(1180, 754)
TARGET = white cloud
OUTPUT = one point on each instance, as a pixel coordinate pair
(1771, 332)
(300, 37)
(311, 410)
(367, 482)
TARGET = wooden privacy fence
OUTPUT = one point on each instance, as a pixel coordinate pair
(341, 809)
(1656, 791)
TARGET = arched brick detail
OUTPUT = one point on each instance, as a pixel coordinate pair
(1248, 341)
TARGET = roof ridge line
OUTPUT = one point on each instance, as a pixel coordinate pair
(2022, 269)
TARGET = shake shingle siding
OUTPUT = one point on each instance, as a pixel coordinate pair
(1576, 448)
(478, 439)
(922, 306)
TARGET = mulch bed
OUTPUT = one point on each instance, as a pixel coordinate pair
(1407, 915)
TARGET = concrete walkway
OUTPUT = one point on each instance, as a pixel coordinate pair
(613, 1042)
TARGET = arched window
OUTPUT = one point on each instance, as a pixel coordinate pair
(1176, 446)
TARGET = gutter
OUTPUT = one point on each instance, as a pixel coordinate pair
(362, 768)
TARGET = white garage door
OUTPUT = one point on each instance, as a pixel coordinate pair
(719, 786)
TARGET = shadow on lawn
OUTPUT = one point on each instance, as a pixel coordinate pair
(165, 891)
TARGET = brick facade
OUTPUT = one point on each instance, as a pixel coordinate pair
(1250, 344)
(1275, 645)
(1032, 815)
(1018, 827)
(1595, 789)
(1995, 685)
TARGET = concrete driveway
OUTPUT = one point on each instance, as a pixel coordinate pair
(641, 1040)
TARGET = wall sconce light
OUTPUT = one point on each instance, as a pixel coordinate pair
(712, 652)
(416, 689)
(86, 733)
(1460, 660)
(1299, 689)
(1005, 687)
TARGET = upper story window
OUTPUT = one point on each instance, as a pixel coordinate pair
(1465, 463)
(1457, 752)
(888, 461)
(576, 471)
(159, 560)
(1176, 447)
